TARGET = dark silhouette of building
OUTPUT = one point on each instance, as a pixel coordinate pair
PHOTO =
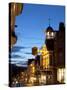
(37, 60)
(59, 46)
(55, 42)
(34, 51)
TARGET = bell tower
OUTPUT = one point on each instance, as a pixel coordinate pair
(50, 35)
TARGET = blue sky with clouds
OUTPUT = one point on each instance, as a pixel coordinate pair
(32, 24)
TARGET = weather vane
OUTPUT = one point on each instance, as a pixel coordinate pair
(49, 20)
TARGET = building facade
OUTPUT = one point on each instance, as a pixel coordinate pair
(59, 54)
(48, 66)
(55, 42)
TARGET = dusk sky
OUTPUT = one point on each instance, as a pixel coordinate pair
(32, 24)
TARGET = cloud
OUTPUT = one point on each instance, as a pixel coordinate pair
(19, 63)
(12, 62)
(23, 62)
(18, 48)
(28, 53)
(17, 56)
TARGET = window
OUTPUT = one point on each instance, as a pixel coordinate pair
(60, 75)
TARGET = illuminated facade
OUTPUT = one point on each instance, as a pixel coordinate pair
(31, 70)
(45, 57)
(46, 66)
(31, 66)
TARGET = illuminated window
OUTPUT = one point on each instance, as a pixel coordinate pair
(48, 33)
(60, 75)
(52, 34)
(46, 62)
(33, 69)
